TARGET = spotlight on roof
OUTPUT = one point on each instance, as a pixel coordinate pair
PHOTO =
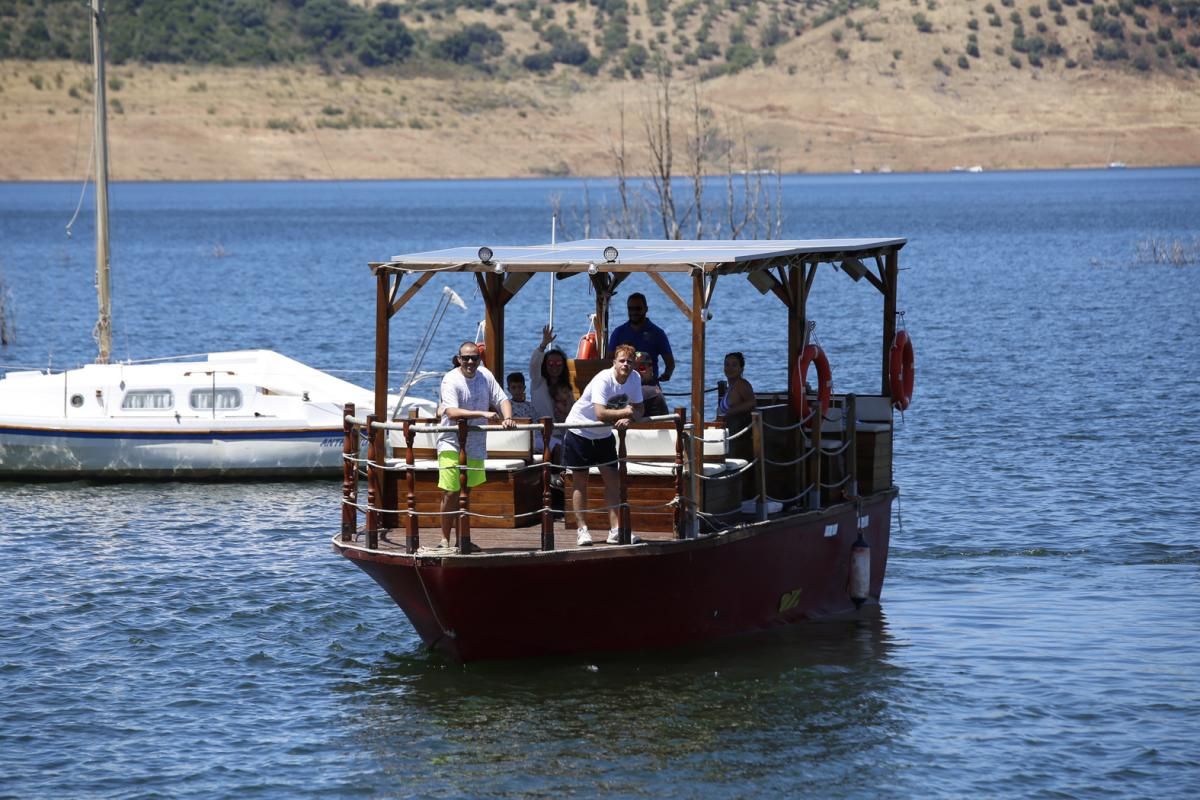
(762, 280)
(485, 254)
(610, 254)
(854, 268)
(592, 269)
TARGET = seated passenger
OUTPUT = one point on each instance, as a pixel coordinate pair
(653, 402)
(516, 390)
(737, 405)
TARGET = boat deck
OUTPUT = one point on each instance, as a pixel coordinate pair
(518, 540)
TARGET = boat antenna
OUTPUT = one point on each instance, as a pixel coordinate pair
(553, 275)
(103, 329)
(449, 297)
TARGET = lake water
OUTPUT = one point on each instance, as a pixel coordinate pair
(1040, 630)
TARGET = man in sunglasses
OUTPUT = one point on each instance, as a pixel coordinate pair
(645, 336)
(470, 392)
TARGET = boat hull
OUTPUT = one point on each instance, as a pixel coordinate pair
(745, 579)
(28, 453)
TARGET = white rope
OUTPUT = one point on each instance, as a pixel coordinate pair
(838, 451)
(805, 455)
(720, 476)
(729, 437)
(835, 485)
(792, 499)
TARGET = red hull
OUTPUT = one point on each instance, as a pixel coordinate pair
(654, 595)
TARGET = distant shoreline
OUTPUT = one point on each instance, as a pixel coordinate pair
(243, 126)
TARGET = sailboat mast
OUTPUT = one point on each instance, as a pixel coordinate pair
(103, 331)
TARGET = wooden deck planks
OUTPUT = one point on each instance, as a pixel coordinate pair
(508, 540)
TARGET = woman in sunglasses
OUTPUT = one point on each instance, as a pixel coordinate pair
(548, 372)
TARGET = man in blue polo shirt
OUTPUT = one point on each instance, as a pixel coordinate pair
(645, 336)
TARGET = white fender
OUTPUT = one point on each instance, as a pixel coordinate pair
(860, 571)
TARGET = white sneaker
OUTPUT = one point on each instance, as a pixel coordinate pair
(635, 539)
(583, 539)
(614, 536)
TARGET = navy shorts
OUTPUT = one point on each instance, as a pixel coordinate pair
(580, 452)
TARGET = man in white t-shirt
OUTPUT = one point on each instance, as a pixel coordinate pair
(468, 392)
(613, 397)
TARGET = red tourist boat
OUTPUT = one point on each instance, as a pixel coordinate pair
(783, 521)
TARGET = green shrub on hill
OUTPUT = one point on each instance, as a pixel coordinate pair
(620, 37)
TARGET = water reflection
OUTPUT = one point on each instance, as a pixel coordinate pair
(762, 708)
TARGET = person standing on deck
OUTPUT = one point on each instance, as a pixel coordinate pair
(547, 372)
(645, 336)
(613, 397)
(469, 391)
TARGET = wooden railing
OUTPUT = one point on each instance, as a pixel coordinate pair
(383, 513)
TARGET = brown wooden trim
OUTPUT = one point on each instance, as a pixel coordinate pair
(698, 355)
(672, 295)
(396, 305)
(889, 318)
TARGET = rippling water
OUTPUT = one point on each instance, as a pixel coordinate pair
(1039, 629)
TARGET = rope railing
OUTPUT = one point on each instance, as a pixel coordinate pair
(845, 479)
(793, 462)
(385, 504)
(835, 451)
(794, 498)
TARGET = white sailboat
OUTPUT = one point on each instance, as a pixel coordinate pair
(252, 413)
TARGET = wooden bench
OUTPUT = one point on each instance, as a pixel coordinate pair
(651, 473)
(873, 451)
(511, 491)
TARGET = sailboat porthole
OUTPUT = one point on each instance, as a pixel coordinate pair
(76, 401)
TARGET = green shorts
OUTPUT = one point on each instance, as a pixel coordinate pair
(448, 471)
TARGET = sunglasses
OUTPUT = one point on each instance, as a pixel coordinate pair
(468, 359)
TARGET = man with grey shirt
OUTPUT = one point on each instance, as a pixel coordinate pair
(469, 391)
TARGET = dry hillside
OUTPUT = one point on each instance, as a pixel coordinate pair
(904, 86)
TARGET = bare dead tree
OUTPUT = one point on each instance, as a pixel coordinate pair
(657, 124)
(749, 207)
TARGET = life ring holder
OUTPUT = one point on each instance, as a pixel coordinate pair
(900, 370)
(588, 346)
(811, 354)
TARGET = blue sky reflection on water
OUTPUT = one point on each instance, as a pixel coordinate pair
(1039, 628)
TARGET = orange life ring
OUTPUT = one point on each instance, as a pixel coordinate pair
(812, 353)
(900, 370)
(587, 346)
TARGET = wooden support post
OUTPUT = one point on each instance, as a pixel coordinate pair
(680, 496)
(624, 535)
(493, 329)
(814, 476)
(385, 490)
(891, 278)
(760, 463)
(349, 473)
(374, 441)
(795, 327)
(464, 491)
(851, 418)
(412, 531)
(696, 459)
(547, 495)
